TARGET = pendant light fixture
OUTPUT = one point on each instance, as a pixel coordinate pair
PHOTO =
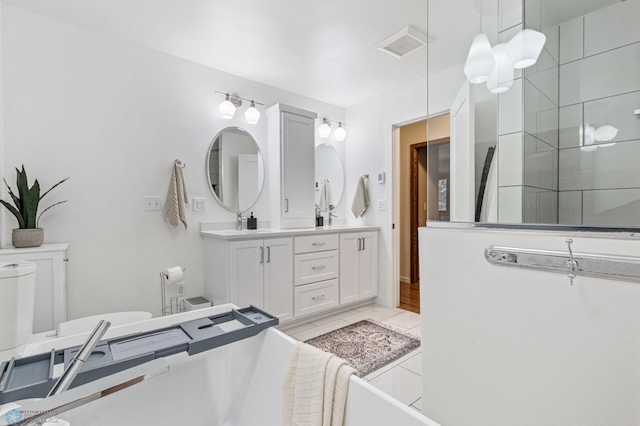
(227, 108)
(340, 133)
(501, 77)
(605, 133)
(525, 47)
(252, 114)
(325, 129)
(480, 60)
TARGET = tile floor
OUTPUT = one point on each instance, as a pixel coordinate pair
(400, 379)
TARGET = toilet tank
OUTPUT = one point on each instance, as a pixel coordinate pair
(17, 294)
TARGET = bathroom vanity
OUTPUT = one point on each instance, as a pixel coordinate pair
(292, 273)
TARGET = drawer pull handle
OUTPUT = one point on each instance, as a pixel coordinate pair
(318, 244)
(317, 267)
(320, 297)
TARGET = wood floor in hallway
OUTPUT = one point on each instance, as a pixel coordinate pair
(410, 297)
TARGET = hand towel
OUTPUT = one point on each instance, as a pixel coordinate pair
(361, 199)
(315, 388)
(177, 197)
(326, 201)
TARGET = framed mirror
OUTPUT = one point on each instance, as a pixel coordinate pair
(329, 177)
(235, 169)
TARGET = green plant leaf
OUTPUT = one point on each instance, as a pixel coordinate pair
(52, 205)
(15, 212)
(31, 202)
(42, 196)
(16, 201)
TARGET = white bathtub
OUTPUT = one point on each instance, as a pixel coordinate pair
(237, 384)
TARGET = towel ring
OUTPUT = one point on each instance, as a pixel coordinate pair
(180, 164)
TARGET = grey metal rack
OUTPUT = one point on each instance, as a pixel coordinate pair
(33, 376)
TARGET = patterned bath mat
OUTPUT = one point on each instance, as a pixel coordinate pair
(366, 345)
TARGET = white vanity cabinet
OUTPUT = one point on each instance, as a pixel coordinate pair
(358, 266)
(291, 135)
(50, 307)
(251, 272)
(292, 273)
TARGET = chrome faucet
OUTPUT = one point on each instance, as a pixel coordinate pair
(239, 221)
(331, 216)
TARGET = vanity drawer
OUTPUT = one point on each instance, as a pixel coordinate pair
(314, 243)
(312, 298)
(314, 267)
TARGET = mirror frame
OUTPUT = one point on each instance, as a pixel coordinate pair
(208, 158)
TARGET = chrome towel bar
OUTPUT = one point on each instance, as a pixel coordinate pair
(569, 262)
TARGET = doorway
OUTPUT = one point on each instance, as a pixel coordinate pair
(423, 176)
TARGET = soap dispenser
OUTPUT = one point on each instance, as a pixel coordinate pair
(252, 222)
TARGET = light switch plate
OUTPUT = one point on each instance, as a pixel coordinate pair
(382, 204)
(380, 177)
(152, 203)
(199, 204)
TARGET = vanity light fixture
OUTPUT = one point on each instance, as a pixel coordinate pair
(230, 103)
(340, 133)
(325, 128)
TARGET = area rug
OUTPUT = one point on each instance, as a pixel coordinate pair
(366, 345)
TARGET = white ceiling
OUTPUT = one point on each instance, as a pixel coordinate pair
(321, 49)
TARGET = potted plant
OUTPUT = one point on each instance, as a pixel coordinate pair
(25, 209)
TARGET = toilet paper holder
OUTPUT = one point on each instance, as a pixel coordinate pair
(174, 301)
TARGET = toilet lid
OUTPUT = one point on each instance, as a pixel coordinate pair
(16, 269)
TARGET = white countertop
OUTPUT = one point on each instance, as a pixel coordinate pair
(232, 234)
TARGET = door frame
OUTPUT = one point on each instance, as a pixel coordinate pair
(414, 201)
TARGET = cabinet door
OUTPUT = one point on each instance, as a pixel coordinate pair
(349, 274)
(246, 259)
(368, 265)
(278, 277)
(298, 167)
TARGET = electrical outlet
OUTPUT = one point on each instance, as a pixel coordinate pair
(181, 289)
(152, 203)
(382, 204)
(199, 204)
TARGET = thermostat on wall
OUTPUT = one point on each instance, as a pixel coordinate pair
(380, 177)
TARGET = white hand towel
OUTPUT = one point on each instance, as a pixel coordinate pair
(177, 197)
(315, 388)
(326, 201)
(361, 199)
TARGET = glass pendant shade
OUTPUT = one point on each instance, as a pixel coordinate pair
(227, 109)
(501, 78)
(340, 133)
(252, 114)
(525, 47)
(324, 130)
(480, 60)
(605, 133)
(589, 139)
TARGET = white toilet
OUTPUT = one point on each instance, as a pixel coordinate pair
(17, 295)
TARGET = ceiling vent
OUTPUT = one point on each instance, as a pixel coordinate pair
(403, 42)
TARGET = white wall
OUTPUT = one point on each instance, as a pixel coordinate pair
(370, 149)
(509, 346)
(113, 116)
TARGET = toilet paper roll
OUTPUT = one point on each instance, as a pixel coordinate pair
(174, 275)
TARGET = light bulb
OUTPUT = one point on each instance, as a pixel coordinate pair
(525, 47)
(501, 78)
(324, 130)
(252, 114)
(605, 133)
(480, 60)
(340, 133)
(227, 108)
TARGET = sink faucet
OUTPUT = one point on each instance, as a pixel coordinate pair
(331, 216)
(239, 221)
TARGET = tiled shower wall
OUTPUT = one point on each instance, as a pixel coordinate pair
(528, 129)
(600, 84)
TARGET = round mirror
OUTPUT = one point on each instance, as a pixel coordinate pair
(329, 177)
(235, 169)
